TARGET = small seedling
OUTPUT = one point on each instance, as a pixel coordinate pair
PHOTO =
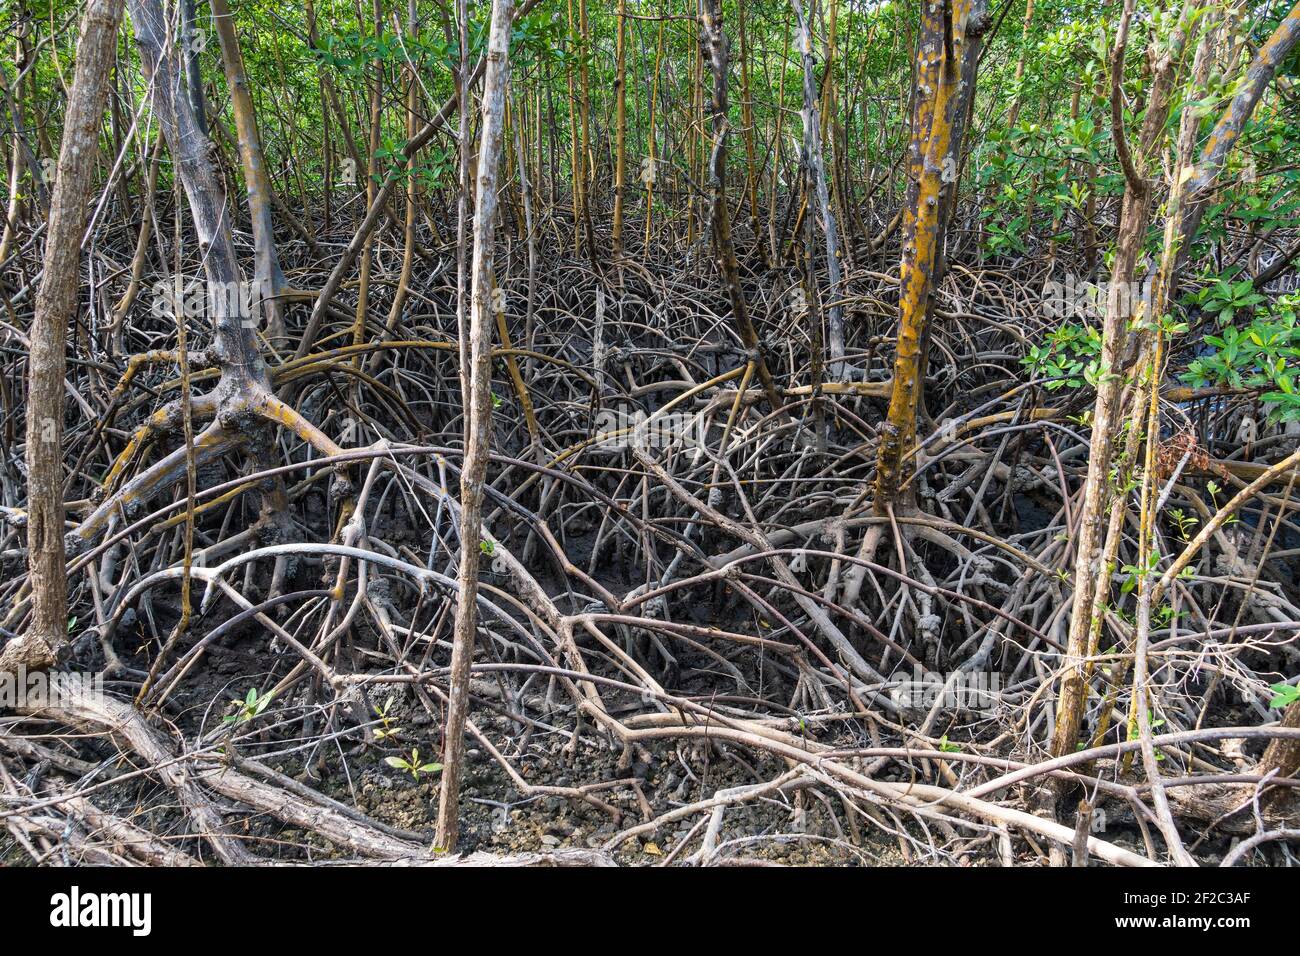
(1134, 733)
(1213, 489)
(1184, 521)
(386, 730)
(412, 765)
(1165, 615)
(251, 706)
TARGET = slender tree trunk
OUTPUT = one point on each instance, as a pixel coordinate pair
(270, 278)
(235, 348)
(193, 42)
(747, 124)
(462, 199)
(16, 160)
(495, 83)
(651, 168)
(56, 303)
(959, 107)
(1153, 357)
(588, 157)
(814, 164)
(1089, 573)
(372, 184)
(1014, 113)
(141, 250)
(773, 235)
(620, 127)
(1228, 129)
(408, 230)
(576, 163)
(714, 48)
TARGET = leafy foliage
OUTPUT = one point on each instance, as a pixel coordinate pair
(1262, 353)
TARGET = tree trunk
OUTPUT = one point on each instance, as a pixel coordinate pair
(1014, 113)
(56, 303)
(235, 345)
(192, 44)
(1228, 129)
(814, 164)
(495, 82)
(1089, 572)
(937, 81)
(270, 278)
(715, 48)
(620, 128)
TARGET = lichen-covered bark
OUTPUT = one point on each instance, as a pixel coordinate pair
(930, 152)
(1228, 129)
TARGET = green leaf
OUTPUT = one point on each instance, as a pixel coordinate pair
(1283, 696)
